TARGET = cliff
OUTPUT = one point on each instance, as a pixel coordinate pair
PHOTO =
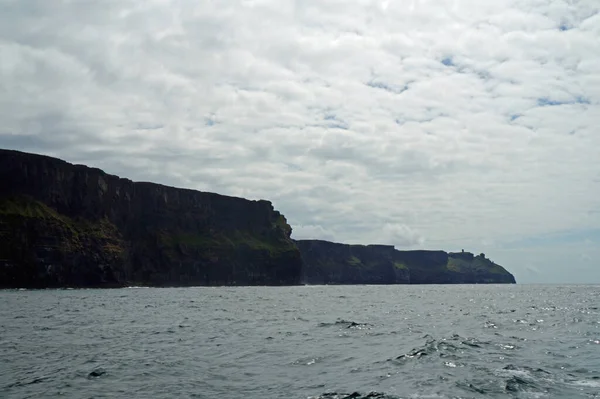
(64, 225)
(333, 263)
(71, 225)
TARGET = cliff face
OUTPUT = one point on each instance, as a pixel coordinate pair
(332, 263)
(70, 225)
(439, 267)
(64, 225)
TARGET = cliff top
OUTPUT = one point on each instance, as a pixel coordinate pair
(6, 154)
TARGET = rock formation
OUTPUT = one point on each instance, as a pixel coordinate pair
(332, 263)
(64, 225)
(67, 225)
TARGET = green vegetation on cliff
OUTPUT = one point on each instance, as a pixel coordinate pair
(400, 266)
(42, 248)
(329, 263)
(70, 225)
(333, 263)
(26, 207)
(64, 225)
(476, 264)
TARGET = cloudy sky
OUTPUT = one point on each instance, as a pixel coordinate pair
(437, 124)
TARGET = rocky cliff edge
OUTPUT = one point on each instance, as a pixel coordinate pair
(64, 225)
(333, 263)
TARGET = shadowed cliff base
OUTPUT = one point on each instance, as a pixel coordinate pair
(65, 225)
(333, 263)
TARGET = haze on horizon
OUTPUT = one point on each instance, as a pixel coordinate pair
(433, 124)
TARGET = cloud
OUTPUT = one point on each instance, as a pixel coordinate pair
(422, 123)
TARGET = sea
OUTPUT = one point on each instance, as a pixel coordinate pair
(326, 342)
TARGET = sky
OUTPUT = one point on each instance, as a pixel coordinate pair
(426, 124)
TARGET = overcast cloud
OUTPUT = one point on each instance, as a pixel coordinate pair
(432, 124)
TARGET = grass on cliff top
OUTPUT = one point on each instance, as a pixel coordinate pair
(478, 263)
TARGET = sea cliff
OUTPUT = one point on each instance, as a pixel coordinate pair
(332, 263)
(64, 225)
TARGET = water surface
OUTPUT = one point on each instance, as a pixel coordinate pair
(470, 341)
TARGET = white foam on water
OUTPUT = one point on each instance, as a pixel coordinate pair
(587, 383)
(517, 373)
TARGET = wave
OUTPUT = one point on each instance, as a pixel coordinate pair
(354, 395)
(346, 324)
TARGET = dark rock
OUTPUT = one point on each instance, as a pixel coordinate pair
(97, 373)
(64, 225)
(346, 324)
(355, 395)
(332, 263)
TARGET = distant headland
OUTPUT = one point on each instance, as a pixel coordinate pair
(65, 225)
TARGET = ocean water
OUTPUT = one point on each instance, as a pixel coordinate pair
(470, 341)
